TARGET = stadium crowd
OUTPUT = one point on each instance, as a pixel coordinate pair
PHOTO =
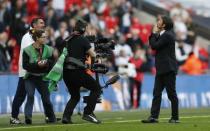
(113, 19)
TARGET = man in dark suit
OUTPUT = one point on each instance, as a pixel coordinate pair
(163, 42)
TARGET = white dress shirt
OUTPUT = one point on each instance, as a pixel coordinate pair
(26, 41)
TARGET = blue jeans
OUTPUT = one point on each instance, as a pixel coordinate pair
(42, 86)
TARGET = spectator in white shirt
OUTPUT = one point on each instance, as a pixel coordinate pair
(36, 24)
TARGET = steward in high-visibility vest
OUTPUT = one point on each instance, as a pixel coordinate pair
(37, 61)
(33, 54)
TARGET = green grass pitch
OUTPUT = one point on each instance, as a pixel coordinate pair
(191, 120)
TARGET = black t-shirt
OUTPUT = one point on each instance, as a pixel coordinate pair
(77, 47)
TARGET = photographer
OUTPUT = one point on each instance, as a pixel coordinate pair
(75, 76)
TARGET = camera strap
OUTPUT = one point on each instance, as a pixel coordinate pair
(70, 37)
(75, 63)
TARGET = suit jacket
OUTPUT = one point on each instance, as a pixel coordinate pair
(165, 59)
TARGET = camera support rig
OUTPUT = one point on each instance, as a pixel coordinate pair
(103, 48)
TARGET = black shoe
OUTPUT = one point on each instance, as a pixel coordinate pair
(91, 118)
(79, 113)
(173, 121)
(66, 121)
(28, 121)
(150, 120)
(52, 121)
(15, 121)
(58, 119)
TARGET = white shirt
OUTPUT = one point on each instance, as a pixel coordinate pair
(187, 49)
(26, 41)
(126, 20)
(58, 4)
(126, 48)
(181, 28)
(162, 32)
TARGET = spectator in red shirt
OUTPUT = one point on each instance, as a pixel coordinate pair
(135, 89)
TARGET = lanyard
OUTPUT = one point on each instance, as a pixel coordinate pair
(40, 54)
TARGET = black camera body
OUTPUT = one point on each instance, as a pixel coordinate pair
(103, 46)
(99, 68)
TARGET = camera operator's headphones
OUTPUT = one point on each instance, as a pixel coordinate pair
(80, 26)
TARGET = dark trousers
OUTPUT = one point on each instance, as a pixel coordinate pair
(74, 79)
(167, 80)
(19, 97)
(31, 84)
(135, 84)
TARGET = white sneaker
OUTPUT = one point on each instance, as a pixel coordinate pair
(91, 118)
(15, 121)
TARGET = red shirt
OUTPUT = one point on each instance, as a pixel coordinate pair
(138, 63)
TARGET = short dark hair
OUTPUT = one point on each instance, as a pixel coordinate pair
(80, 26)
(36, 34)
(168, 22)
(35, 20)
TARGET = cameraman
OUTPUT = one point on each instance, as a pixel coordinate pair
(75, 76)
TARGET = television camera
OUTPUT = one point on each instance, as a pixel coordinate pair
(104, 49)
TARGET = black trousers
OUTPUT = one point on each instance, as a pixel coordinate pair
(19, 98)
(135, 84)
(167, 81)
(74, 79)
